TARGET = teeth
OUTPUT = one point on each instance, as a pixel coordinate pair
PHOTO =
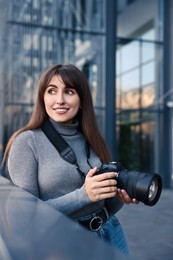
(61, 109)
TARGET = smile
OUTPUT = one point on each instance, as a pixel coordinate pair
(61, 110)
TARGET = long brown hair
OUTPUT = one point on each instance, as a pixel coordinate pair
(72, 77)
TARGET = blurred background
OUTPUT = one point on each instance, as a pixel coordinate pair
(124, 47)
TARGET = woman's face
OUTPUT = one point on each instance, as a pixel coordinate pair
(61, 103)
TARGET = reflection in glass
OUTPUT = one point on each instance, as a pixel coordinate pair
(135, 99)
(130, 56)
(37, 34)
(148, 73)
(148, 52)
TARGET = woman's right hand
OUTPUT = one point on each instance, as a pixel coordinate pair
(101, 186)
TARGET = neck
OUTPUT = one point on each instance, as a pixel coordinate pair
(65, 129)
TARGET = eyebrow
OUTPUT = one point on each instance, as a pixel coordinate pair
(52, 85)
(55, 86)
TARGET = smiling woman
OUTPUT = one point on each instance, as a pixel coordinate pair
(64, 101)
(61, 102)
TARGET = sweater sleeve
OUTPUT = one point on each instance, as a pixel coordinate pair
(70, 202)
(23, 171)
(22, 164)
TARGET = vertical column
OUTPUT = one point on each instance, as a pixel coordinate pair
(3, 54)
(110, 75)
(1, 116)
(165, 153)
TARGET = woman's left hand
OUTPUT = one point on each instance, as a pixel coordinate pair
(125, 198)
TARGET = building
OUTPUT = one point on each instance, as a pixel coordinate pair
(123, 47)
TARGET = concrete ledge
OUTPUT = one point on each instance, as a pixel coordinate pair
(31, 230)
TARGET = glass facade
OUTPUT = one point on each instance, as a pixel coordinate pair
(36, 34)
(137, 83)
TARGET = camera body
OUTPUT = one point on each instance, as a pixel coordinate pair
(145, 187)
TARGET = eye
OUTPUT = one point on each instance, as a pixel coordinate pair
(70, 91)
(51, 91)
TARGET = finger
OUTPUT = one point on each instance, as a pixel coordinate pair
(105, 176)
(92, 172)
(106, 183)
(120, 195)
(104, 190)
(124, 197)
(135, 201)
(103, 196)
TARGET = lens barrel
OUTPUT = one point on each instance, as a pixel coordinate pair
(145, 187)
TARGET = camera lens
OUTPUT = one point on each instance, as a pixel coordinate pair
(153, 190)
(145, 187)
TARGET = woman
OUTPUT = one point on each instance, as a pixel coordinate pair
(64, 100)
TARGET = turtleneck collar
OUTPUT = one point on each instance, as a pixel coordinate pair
(65, 129)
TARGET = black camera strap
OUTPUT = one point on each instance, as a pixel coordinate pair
(64, 149)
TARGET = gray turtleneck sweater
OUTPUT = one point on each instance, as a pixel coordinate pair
(36, 166)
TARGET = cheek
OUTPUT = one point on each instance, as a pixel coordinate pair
(78, 103)
(47, 104)
(47, 100)
(74, 102)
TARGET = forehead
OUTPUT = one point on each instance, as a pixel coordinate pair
(60, 81)
(56, 80)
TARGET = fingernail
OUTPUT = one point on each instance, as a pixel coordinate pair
(116, 174)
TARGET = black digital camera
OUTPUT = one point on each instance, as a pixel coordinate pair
(145, 187)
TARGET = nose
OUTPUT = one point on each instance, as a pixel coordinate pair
(60, 99)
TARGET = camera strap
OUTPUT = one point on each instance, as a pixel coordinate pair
(64, 149)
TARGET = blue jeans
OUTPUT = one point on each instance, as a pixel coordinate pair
(112, 232)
